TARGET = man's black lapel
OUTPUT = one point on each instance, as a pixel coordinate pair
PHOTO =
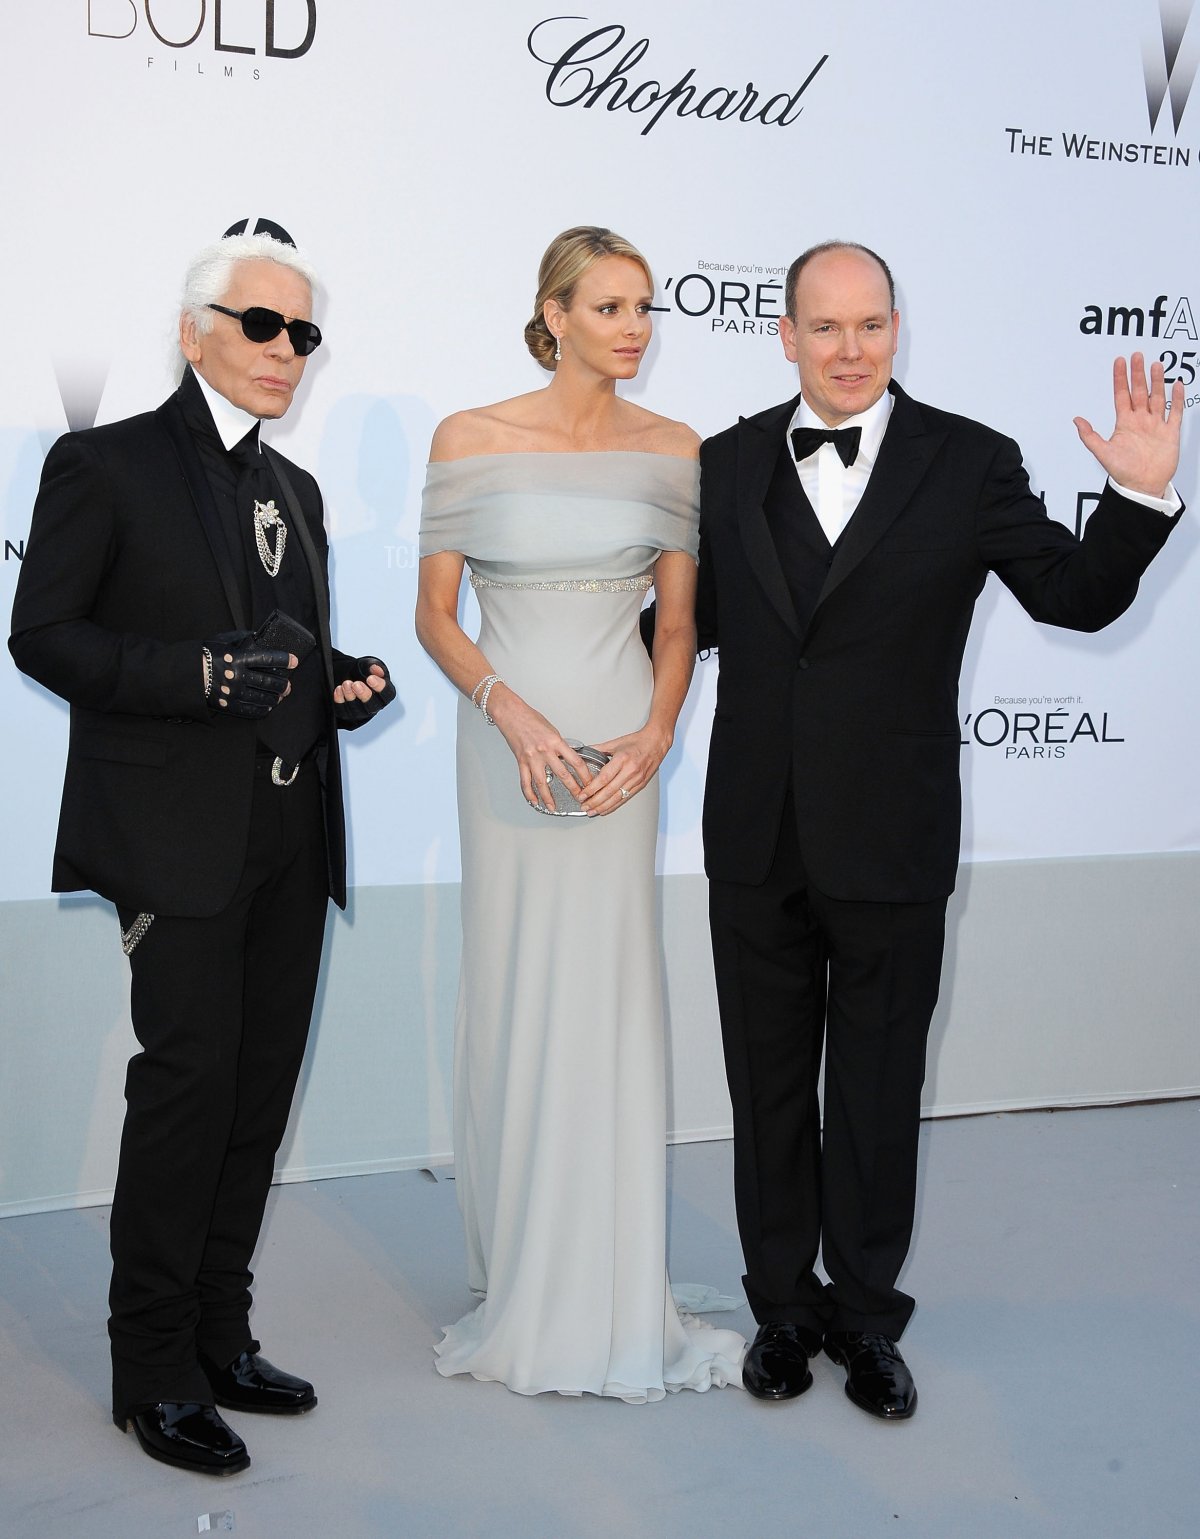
(905, 454)
(170, 416)
(758, 451)
(316, 568)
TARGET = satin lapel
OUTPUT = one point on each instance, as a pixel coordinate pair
(904, 456)
(759, 439)
(316, 569)
(171, 418)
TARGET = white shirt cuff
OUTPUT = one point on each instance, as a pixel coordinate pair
(1171, 503)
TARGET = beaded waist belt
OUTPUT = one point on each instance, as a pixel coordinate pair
(572, 584)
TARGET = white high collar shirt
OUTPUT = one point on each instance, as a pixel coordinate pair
(231, 422)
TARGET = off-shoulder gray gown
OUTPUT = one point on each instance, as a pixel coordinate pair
(560, 1096)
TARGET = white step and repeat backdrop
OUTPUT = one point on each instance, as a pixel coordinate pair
(1031, 173)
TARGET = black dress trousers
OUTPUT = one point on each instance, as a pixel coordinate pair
(221, 1008)
(799, 973)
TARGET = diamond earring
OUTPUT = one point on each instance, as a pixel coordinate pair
(558, 349)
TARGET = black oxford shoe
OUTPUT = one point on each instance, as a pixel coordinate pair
(251, 1383)
(877, 1377)
(776, 1362)
(190, 1436)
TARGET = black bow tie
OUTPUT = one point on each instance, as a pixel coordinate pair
(807, 440)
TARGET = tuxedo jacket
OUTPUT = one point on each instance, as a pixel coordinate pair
(858, 708)
(126, 573)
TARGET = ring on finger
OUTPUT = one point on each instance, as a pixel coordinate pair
(624, 793)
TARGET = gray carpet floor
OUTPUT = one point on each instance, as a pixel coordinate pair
(1056, 1263)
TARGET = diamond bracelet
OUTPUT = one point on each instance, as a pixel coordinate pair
(483, 689)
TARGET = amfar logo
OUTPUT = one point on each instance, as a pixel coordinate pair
(1165, 318)
(180, 23)
(1171, 69)
(1171, 319)
(569, 52)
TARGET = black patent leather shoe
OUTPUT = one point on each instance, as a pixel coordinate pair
(251, 1383)
(877, 1377)
(189, 1436)
(776, 1362)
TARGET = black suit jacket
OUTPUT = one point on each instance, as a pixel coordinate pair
(125, 575)
(859, 711)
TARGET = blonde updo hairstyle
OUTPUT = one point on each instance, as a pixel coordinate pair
(567, 258)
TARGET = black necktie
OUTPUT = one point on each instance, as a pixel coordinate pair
(254, 490)
(807, 440)
(247, 456)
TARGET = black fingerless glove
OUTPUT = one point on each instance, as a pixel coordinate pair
(352, 713)
(247, 679)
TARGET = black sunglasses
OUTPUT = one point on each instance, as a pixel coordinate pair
(262, 325)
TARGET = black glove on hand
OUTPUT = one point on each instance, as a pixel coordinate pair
(353, 713)
(247, 679)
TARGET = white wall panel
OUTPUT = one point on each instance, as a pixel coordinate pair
(1003, 159)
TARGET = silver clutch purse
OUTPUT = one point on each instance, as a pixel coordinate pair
(565, 805)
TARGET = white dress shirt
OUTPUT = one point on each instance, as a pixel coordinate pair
(834, 489)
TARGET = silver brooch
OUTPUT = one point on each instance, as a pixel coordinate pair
(266, 516)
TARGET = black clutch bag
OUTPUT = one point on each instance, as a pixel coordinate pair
(565, 805)
(280, 630)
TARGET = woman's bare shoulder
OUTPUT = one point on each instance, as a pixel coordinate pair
(662, 435)
(501, 428)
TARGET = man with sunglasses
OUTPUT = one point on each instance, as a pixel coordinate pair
(174, 591)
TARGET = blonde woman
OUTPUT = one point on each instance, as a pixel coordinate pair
(567, 504)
